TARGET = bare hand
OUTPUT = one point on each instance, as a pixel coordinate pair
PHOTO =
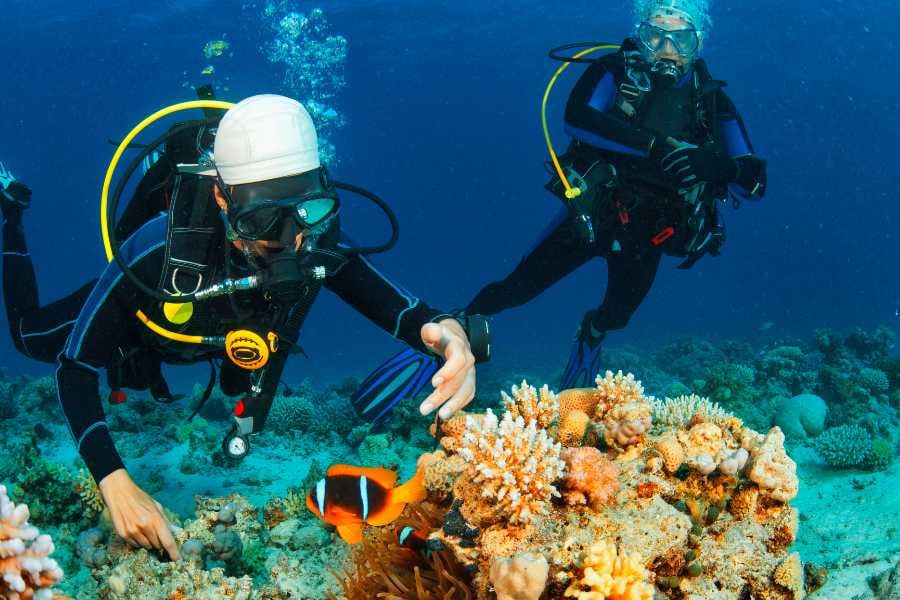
(137, 517)
(454, 383)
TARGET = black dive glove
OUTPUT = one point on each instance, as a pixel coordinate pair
(690, 164)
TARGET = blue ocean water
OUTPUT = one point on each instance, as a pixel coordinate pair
(442, 104)
(442, 119)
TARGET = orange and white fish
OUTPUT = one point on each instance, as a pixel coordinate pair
(348, 497)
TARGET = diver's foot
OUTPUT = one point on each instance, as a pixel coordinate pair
(584, 363)
(15, 196)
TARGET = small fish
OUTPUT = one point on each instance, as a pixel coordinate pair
(348, 497)
(413, 539)
(209, 70)
(766, 326)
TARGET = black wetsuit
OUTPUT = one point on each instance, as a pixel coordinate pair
(96, 329)
(639, 218)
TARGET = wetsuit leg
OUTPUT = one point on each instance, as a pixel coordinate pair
(39, 332)
(556, 254)
(630, 279)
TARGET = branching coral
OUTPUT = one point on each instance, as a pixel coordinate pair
(678, 412)
(516, 464)
(844, 447)
(27, 572)
(527, 403)
(605, 574)
(623, 409)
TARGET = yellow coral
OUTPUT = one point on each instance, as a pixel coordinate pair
(789, 575)
(573, 428)
(89, 493)
(671, 452)
(608, 575)
(526, 403)
(514, 463)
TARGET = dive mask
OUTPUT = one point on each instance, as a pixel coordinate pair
(259, 211)
(685, 41)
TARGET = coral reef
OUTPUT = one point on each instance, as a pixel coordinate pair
(591, 478)
(680, 411)
(26, 569)
(521, 577)
(801, 417)
(513, 464)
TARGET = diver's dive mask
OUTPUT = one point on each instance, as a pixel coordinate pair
(686, 41)
(261, 211)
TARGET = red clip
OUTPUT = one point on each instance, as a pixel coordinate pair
(117, 397)
(662, 236)
(623, 217)
(239, 408)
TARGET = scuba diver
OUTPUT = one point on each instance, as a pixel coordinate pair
(656, 144)
(249, 235)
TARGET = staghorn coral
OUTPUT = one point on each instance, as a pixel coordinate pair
(515, 464)
(527, 403)
(591, 478)
(607, 574)
(87, 490)
(27, 571)
(874, 381)
(679, 412)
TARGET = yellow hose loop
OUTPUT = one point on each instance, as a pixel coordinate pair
(177, 337)
(570, 191)
(104, 195)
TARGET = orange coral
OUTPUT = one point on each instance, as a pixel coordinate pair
(591, 478)
(452, 431)
(583, 399)
(440, 471)
(647, 489)
(743, 502)
(573, 428)
(671, 451)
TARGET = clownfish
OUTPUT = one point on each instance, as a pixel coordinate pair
(413, 540)
(348, 497)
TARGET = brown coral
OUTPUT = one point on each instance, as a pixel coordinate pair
(789, 575)
(743, 502)
(441, 472)
(671, 451)
(573, 428)
(591, 478)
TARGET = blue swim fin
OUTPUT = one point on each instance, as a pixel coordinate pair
(583, 365)
(401, 376)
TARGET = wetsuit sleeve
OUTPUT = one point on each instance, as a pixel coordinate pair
(104, 325)
(751, 179)
(592, 117)
(387, 304)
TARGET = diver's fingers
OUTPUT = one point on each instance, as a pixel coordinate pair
(457, 358)
(452, 383)
(461, 398)
(167, 541)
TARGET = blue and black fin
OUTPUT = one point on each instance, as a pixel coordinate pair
(401, 376)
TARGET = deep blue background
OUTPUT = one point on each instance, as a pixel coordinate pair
(443, 109)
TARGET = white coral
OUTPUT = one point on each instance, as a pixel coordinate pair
(678, 412)
(772, 469)
(27, 571)
(516, 463)
(527, 403)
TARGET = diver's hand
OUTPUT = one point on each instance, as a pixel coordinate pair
(137, 517)
(454, 383)
(691, 165)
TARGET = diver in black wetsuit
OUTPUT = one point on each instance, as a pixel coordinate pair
(251, 238)
(656, 143)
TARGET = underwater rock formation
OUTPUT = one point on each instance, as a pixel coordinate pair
(697, 509)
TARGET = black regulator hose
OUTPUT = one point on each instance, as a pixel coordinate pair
(557, 53)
